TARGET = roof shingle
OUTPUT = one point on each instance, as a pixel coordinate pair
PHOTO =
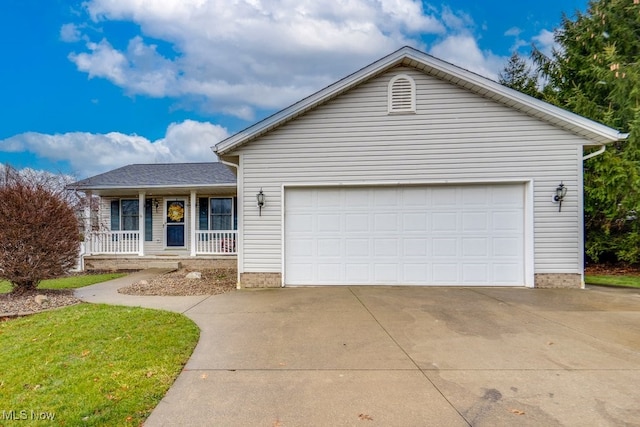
(160, 174)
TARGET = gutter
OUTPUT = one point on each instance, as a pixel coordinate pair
(603, 147)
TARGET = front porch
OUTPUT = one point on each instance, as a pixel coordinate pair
(126, 250)
(202, 242)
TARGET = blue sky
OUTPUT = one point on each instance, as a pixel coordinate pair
(88, 86)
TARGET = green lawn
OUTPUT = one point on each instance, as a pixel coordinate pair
(91, 365)
(625, 281)
(70, 282)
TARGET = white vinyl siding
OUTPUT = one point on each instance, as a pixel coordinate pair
(454, 136)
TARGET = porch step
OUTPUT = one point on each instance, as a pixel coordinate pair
(174, 265)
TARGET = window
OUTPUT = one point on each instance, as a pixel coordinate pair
(129, 215)
(402, 94)
(221, 213)
(124, 216)
(217, 213)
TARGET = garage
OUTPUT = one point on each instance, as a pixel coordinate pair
(449, 235)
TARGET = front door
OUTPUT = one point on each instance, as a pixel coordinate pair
(175, 218)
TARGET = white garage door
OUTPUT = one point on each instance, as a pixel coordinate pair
(427, 235)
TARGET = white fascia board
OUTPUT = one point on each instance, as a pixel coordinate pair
(151, 187)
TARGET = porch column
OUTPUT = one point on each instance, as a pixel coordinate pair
(87, 221)
(141, 227)
(192, 222)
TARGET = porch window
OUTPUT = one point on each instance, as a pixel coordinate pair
(124, 217)
(129, 215)
(221, 213)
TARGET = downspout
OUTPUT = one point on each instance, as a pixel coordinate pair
(233, 165)
(595, 153)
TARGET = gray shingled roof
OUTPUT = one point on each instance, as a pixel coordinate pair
(160, 175)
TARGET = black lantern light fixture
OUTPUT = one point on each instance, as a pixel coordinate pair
(561, 191)
(260, 199)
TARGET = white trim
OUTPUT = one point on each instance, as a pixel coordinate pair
(192, 222)
(141, 221)
(282, 230)
(581, 231)
(240, 203)
(529, 234)
(528, 226)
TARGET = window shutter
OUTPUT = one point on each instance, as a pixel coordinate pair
(115, 215)
(148, 220)
(402, 97)
(203, 216)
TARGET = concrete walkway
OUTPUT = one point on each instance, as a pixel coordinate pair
(404, 357)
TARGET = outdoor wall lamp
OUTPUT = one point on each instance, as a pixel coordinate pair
(156, 203)
(260, 199)
(561, 191)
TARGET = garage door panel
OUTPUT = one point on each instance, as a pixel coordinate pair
(415, 273)
(443, 247)
(415, 247)
(356, 223)
(444, 222)
(357, 248)
(385, 247)
(329, 247)
(475, 273)
(386, 273)
(417, 221)
(507, 247)
(439, 235)
(475, 221)
(475, 247)
(445, 274)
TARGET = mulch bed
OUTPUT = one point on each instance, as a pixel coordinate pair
(26, 303)
(612, 270)
(213, 282)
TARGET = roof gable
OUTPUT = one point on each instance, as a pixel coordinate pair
(595, 133)
(162, 175)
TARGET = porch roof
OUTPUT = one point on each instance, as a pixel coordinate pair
(160, 178)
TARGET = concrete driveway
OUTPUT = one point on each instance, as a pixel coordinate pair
(399, 356)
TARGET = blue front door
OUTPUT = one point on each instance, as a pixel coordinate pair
(175, 223)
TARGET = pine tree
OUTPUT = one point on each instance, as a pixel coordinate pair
(518, 75)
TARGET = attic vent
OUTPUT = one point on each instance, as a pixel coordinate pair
(402, 94)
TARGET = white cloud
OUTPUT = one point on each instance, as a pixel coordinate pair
(545, 42)
(233, 57)
(90, 154)
(70, 33)
(463, 50)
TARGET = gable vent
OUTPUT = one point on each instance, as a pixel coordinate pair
(402, 94)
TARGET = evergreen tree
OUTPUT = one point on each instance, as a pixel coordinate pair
(595, 73)
(517, 74)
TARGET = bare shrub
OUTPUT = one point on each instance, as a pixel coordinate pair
(39, 236)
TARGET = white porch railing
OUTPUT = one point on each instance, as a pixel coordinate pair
(115, 242)
(216, 241)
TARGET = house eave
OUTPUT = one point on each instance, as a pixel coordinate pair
(154, 189)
